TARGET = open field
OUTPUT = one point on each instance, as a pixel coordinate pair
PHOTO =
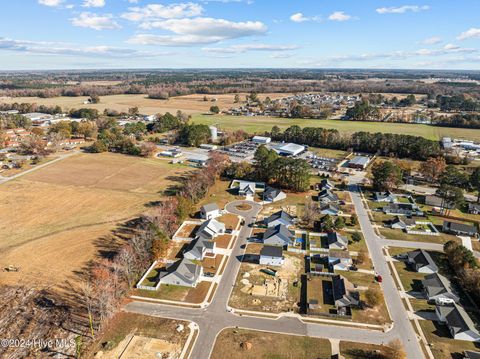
(246, 344)
(353, 350)
(188, 103)
(55, 220)
(155, 334)
(260, 124)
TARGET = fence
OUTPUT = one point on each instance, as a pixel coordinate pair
(146, 287)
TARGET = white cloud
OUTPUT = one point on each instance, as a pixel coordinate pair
(55, 48)
(159, 11)
(339, 16)
(432, 40)
(52, 3)
(93, 3)
(249, 47)
(402, 9)
(190, 32)
(95, 21)
(470, 33)
(299, 17)
(281, 55)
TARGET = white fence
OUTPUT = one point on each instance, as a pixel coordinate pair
(146, 287)
(434, 231)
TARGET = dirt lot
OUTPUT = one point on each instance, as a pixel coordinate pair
(352, 350)
(188, 230)
(56, 219)
(256, 290)
(249, 344)
(151, 335)
(223, 241)
(189, 103)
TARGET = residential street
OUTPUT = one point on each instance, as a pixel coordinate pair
(217, 316)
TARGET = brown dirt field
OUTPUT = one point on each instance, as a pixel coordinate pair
(63, 214)
(124, 324)
(353, 350)
(249, 344)
(211, 264)
(189, 103)
(223, 241)
(230, 220)
(188, 230)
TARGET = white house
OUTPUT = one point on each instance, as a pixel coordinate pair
(339, 260)
(271, 255)
(273, 195)
(183, 272)
(201, 248)
(209, 211)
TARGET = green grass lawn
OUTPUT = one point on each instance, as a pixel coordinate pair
(398, 234)
(260, 124)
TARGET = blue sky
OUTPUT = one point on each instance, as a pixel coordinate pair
(77, 34)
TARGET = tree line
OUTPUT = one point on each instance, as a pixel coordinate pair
(385, 144)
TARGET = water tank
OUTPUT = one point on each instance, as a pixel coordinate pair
(214, 133)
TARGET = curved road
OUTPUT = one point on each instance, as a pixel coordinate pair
(218, 316)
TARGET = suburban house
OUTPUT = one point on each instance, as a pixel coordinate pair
(273, 195)
(402, 223)
(437, 202)
(271, 255)
(183, 272)
(325, 184)
(344, 293)
(279, 235)
(421, 261)
(474, 208)
(331, 209)
(210, 229)
(280, 217)
(337, 241)
(385, 197)
(210, 211)
(402, 209)
(469, 354)
(339, 260)
(459, 229)
(201, 248)
(326, 196)
(437, 287)
(359, 162)
(459, 323)
(246, 188)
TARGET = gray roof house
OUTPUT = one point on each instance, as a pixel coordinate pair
(183, 272)
(474, 208)
(209, 211)
(469, 354)
(326, 196)
(459, 228)
(385, 197)
(402, 223)
(326, 184)
(210, 229)
(273, 195)
(331, 209)
(436, 201)
(359, 162)
(336, 241)
(402, 209)
(279, 235)
(201, 247)
(339, 260)
(271, 255)
(459, 323)
(421, 261)
(343, 292)
(246, 189)
(436, 286)
(280, 217)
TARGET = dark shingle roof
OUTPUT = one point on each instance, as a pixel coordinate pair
(271, 251)
(422, 258)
